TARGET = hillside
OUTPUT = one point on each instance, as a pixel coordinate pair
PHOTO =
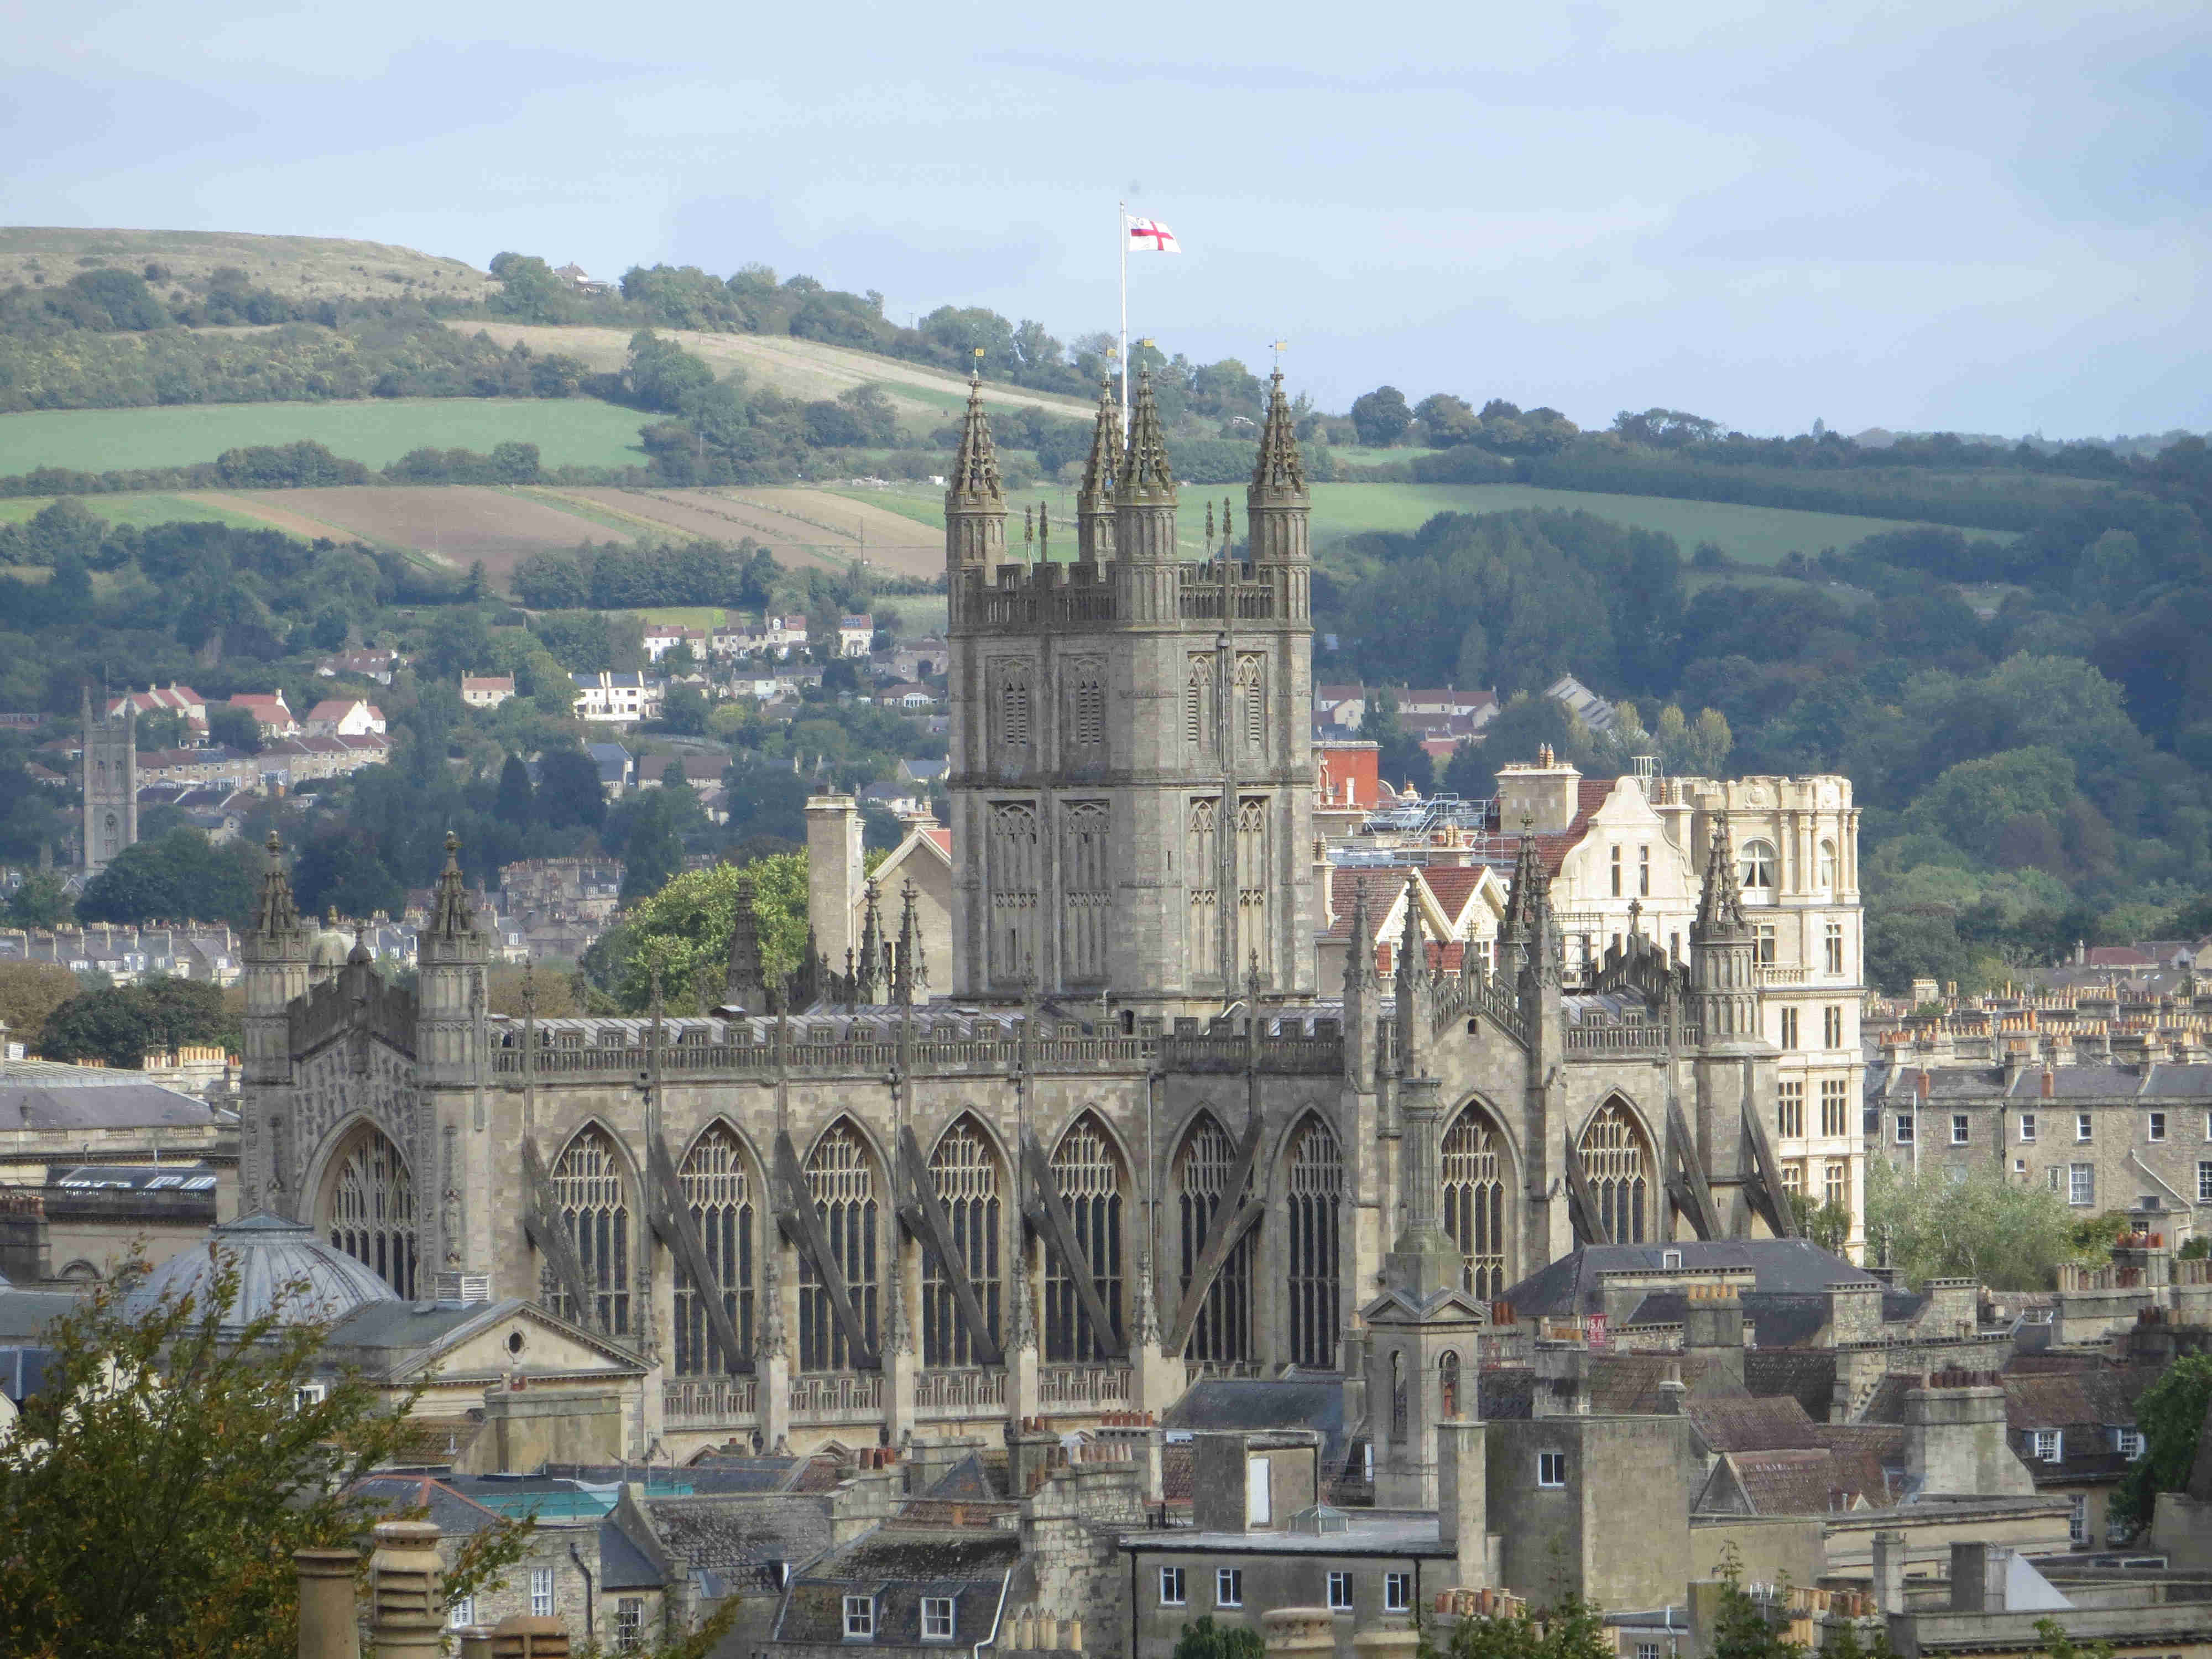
(805, 370)
(297, 267)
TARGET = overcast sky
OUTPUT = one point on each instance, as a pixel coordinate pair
(1974, 215)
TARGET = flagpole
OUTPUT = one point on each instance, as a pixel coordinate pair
(1123, 217)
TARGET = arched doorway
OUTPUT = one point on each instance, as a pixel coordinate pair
(369, 1203)
(963, 1171)
(841, 1180)
(593, 1198)
(1223, 1330)
(717, 1186)
(1475, 1181)
(1087, 1173)
(1315, 1181)
(1617, 1164)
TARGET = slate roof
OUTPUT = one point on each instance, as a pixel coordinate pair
(622, 1565)
(76, 1104)
(394, 1494)
(968, 1481)
(1506, 1391)
(1628, 1384)
(731, 1533)
(1252, 1404)
(1570, 1287)
(25, 1315)
(899, 1566)
(741, 1474)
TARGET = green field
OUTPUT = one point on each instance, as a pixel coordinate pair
(567, 431)
(137, 511)
(1750, 535)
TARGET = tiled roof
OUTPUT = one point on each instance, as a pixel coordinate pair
(1788, 1482)
(1805, 1374)
(1628, 1384)
(1750, 1424)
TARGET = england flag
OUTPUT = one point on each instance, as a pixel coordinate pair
(1149, 236)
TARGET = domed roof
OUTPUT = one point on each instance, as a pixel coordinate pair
(283, 1269)
(331, 946)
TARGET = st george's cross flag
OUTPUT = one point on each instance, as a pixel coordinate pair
(1149, 236)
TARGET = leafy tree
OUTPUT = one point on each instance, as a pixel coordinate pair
(121, 1024)
(1571, 1629)
(156, 1486)
(1445, 420)
(1828, 1226)
(2060, 1645)
(1985, 1227)
(514, 803)
(177, 876)
(685, 928)
(1207, 1640)
(652, 823)
(42, 900)
(30, 991)
(235, 728)
(2170, 1414)
(343, 869)
(1381, 417)
(529, 289)
(568, 790)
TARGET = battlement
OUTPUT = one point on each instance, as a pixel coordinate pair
(1024, 597)
(870, 1044)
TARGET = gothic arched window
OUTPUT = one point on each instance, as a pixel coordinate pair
(587, 1185)
(1617, 1164)
(1316, 1192)
(1474, 1202)
(372, 1209)
(715, 1186)
(964, 1175)
(1087, 1174)
(1223, 1330)
(841, 1179)
(1448, 1386)
(1398, 1395)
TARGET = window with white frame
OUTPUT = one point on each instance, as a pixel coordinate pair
(1762, 935)
(1647, 1650)
(1835, 947)
(1904, 1128)
(1172, 1587)
(2204, 1182)
(1397, 1591)
(630, 1624)
(2085, 1126)
(937, 1618)
(1789, 1027)
(1551, 1468)
(2156, 1127)
(1755, 867)
(2020, 1166)
(1229, 1587)
(462, 1614)
(2081, 1183)
(1962, 1129)
(541, 1592)
(2027, 1129)
(2128, 1443)
(2049, 1446)
(1831, 1026)
(1789, 1108)
(2077, 1524)
(860, 1618)
(1340, 1592)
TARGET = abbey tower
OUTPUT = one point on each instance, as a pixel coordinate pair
(1131, 776)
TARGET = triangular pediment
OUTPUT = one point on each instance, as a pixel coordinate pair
(1446, 1307)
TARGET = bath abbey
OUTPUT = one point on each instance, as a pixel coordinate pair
(1193, 1084)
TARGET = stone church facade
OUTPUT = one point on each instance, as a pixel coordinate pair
(1137, 1145)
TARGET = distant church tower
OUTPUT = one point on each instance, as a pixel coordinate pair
(1131, 778)
(111, 782)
